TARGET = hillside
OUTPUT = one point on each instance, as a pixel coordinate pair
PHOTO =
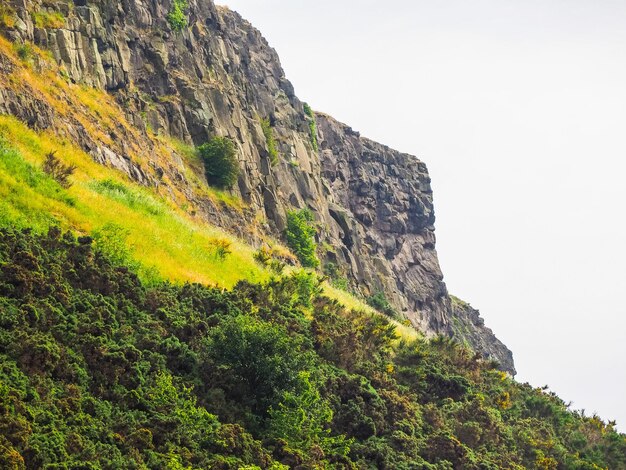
(132, 92)
(156, 315)
(98, 370)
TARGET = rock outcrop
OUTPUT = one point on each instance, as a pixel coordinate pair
(466, 325)
(218, 76)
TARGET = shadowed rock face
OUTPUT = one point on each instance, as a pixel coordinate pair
(373, 204)
(467, 326)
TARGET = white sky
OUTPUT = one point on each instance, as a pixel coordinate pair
(519, 110)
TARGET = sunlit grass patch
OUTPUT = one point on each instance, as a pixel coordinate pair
(160, 236)
(133, 198)
(24, 173)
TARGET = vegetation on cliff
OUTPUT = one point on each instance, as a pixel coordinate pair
(270, 140)
(220, 161)
(98, 370)
(177, 17)
(312, 126)
(300, 236)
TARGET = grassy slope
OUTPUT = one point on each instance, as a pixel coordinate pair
(161, 235)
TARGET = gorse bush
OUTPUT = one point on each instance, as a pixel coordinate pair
(177, 16)
(267, 258)
(300, 237)
(98, 370)
(221, 248)
(220, 162)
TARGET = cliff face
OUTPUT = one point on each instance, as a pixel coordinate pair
(219, 76)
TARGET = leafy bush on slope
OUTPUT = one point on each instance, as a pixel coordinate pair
(100, 371)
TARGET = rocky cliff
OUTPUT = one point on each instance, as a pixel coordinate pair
(218, 76)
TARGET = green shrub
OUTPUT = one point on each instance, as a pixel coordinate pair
(177, 17)
(268, 132)
(263, 256)
(301, 237)
(379, 302)
(268, 259)
(312, 126)
(256, 361)
(220, 162)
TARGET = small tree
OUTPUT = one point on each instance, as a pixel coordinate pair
(220, 162)
(58, 170)
(301, 237)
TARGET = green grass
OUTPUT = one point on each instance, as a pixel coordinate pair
(133, 198)
(21, 184)
(270, 140)
(44, 19)
(312, 126)
(160, 236)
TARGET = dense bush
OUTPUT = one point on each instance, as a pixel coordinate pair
(301, 237)
(100, 371)
(220, 162)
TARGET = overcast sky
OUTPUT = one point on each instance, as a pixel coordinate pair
(519, 110)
